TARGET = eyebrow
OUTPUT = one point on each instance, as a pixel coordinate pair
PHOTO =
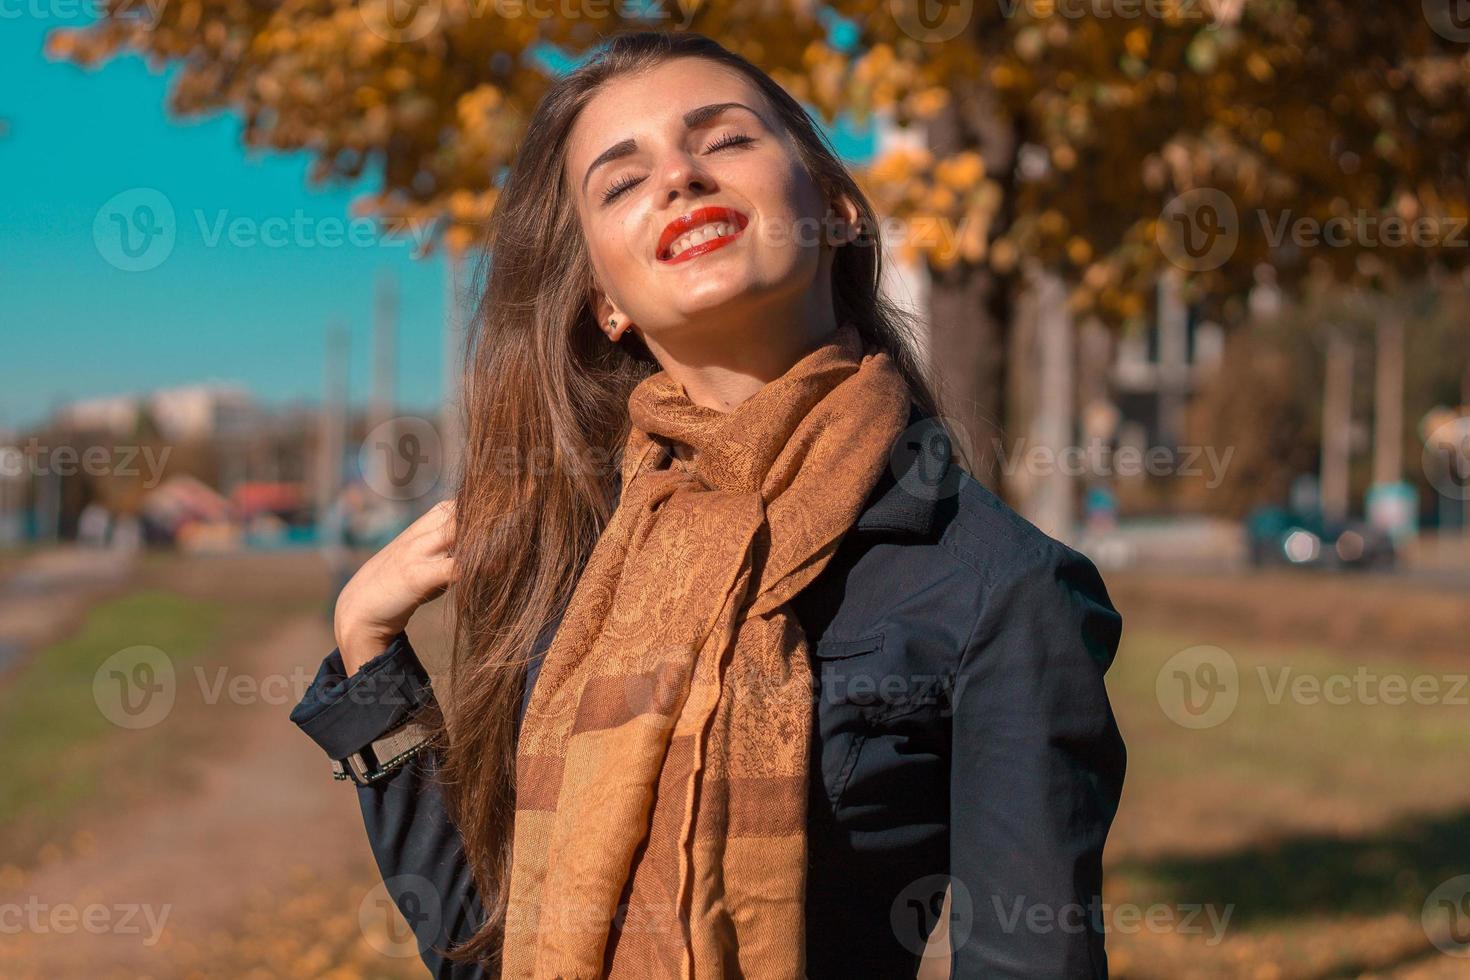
(693, 119)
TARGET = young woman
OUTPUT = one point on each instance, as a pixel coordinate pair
(749, 671)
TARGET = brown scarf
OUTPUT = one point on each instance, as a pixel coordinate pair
(661, 779)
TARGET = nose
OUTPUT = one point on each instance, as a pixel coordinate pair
(681, 175)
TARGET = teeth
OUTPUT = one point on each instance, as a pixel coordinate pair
(703, 233)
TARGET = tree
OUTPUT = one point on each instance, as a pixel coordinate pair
(1100, 149)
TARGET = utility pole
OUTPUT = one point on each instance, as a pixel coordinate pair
(332, 425)
(1388, 398)
(385, 372)
(1173, 376)
(1337, 418)
(1392, 504)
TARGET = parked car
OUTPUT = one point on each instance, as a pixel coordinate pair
(1280, 536)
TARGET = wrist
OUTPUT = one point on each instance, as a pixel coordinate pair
(359, 642)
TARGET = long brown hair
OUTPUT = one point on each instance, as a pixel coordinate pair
(545, 420)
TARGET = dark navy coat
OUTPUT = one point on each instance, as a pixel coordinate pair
(962, 739)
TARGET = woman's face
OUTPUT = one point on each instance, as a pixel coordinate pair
(695, 207)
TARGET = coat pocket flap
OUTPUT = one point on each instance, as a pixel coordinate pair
(842, 649)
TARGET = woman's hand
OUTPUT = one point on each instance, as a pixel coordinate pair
(377, 603)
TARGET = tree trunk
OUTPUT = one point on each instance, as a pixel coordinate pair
(1388, 401)
(967, 344)
(968, 303)
(1053, 508)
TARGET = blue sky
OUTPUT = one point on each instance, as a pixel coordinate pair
(74, 324)
(88, 153)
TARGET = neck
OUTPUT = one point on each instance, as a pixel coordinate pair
(721, 365)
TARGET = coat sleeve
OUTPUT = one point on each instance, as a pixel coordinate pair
(417, 847)
(1036, 773)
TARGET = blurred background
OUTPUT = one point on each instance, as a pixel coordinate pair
(1194, 272)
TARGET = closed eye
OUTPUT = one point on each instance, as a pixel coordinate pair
(729, 139)
(618, 187)
(724, 142)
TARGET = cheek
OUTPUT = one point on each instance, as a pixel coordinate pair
(790, 206)
(607, 249)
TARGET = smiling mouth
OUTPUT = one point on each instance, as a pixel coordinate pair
(698, 233)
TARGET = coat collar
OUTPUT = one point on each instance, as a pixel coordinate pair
(919, 467)
(904, 498)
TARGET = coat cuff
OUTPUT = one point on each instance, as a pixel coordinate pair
(343, 714)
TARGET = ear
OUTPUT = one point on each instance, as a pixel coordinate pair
(843, 217)
(604, 309)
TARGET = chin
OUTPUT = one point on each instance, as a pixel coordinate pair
(706, 299)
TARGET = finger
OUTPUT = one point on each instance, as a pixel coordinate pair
(433, 574)
(427, 532)
(440, 538)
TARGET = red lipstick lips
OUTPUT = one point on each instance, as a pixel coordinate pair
(692, 220)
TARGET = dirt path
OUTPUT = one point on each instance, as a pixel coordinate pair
(150, 891)
(41, 598)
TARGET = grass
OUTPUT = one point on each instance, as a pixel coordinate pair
(62, 752)
(1322, 827)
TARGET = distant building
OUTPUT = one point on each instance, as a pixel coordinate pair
(201, 411)
(1158, 371)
